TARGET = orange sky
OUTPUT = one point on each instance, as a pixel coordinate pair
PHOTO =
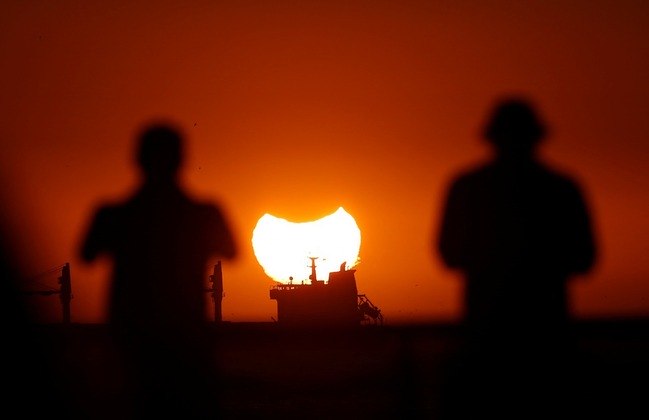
(296, 108)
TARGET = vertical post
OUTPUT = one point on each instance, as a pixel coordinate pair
(66, 292)
(217, 291)
(313, 277)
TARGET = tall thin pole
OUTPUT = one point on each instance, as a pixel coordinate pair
(217, 291)
(313, 277)
(66, 292)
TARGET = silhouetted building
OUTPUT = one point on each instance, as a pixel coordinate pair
(335, 303)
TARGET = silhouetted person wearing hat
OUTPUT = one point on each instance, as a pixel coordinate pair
(518, 231)
(160, 241)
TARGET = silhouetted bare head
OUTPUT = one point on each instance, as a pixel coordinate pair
(514, 127)
(160, 151)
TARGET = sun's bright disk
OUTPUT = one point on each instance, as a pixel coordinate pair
(283, 248)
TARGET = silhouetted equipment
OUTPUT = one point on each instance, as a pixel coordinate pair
(65, 295)
(64, 290)
(313, 277)
(217, 291)
(335, 303)
(370, 313)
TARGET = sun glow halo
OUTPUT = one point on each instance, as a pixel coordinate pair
(283, 248)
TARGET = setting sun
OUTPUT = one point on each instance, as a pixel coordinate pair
(283, 248)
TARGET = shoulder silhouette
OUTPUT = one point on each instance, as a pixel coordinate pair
(518, 231)
(160, 241)
(515, 227)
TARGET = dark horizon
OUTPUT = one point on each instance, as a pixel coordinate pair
(375, 372)
(376, 105)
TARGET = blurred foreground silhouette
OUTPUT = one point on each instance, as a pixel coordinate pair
(517, 360)
(518, 231)
(160, 242)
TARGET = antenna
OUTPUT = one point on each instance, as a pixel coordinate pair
(313, 277)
